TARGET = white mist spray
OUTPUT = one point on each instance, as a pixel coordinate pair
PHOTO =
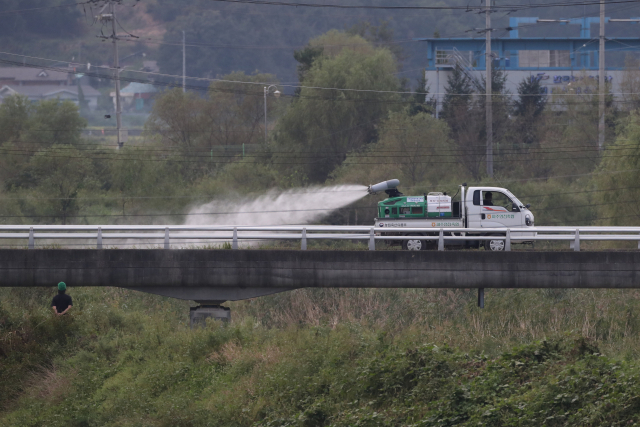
(292, 207)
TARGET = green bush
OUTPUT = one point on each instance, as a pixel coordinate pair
(424, 358)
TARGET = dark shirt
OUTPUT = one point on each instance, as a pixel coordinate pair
(487, 203)
(61, 302)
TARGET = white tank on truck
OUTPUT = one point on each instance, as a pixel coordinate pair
(484, 208)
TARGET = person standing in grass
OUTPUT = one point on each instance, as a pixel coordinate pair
(62, 302)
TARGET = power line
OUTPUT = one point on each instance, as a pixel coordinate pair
(287, 47)
(321, 98)
(321, 190)
(37, 9)
(311, 159)
(367, 150)
(510, 7)
(250, 212)
(373, 153)
(257, 93)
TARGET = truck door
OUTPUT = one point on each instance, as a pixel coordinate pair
(474, 208)
(498, 210)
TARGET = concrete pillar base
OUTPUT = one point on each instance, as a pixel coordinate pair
(198, 315)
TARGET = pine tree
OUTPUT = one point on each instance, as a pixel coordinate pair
(457, 93)
(422, 104)
(531, 100)
(528, 110)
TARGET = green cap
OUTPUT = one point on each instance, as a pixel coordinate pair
(62, 286)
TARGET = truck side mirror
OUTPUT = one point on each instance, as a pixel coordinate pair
(527, 206)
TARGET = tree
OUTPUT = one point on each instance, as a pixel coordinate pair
(465, 112)
(235, 111)
(411, 147)
(573, 125)
(135, 176)
(420, 102)
(177, 119)
(232, 113)
(465, 121)
(457, 96)
(619, 172)
(468, 135)
(321, 126)
(416, 143)
(531, 101)
(14, 117)
(43, 123)
(528, 109)
(500, 106)
(630, 84)
(209, 129)
(27, 127)
(381, 34)
(305, 58)
(54, 122)
(59, 173)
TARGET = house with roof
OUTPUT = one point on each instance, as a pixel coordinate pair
(25, 76)
(40, 84)
(136, 96)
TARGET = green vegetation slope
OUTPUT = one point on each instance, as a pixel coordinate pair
(321, 358)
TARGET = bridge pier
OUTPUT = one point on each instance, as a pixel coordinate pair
(198, 315)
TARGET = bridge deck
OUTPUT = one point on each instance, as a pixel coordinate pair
(220, 275)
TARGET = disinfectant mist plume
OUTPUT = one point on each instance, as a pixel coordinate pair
(292, 207)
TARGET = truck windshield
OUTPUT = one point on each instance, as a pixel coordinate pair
(515, 199)
(495, 198)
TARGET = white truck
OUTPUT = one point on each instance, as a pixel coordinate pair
(478, 208)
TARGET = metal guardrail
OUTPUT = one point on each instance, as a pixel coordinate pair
(235, 234)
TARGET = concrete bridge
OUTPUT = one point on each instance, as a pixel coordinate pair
(211, 277)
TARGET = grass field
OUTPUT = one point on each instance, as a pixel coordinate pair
(323, 357)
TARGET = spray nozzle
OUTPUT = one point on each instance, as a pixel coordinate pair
(388, 187)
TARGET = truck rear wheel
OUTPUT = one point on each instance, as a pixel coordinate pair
(494, 245)
(413, 245)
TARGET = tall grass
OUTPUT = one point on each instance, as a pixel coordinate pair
(317, 357)
(511, 317)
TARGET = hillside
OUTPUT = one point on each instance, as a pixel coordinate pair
(224, 37)
(323, 357)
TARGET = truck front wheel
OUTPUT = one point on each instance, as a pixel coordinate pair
(494, 245)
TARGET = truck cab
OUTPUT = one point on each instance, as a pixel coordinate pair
(495, 207)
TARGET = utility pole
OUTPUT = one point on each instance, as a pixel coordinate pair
(116, 65)
(489, 61)
(276, 93)
(184, 64)
(601, 79)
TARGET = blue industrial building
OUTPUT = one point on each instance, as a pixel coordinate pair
(556, 61)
